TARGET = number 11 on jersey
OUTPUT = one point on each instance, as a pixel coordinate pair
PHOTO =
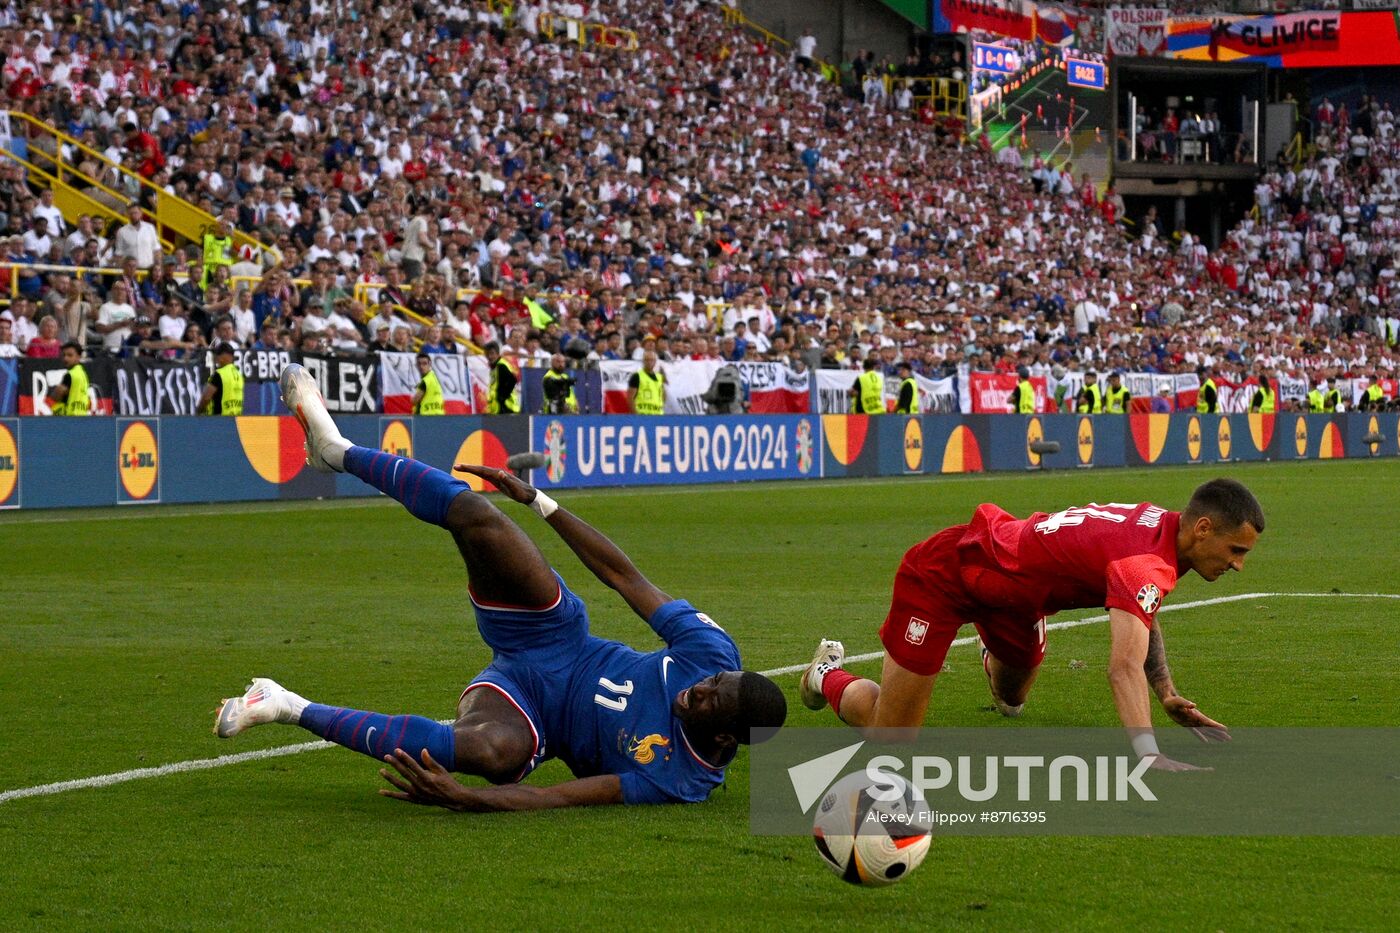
(621, 692)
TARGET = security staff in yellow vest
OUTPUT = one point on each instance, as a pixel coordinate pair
(1332, 401)
(1116, 399)
(558, 386)
(1022, 400)
(1206, 398)
(503, 397)
(218, 249)
(1090, 398)
(70, 397)
(223, 394)
(1374, 397)
(1316, 403)
(646, 390)
(908, 401)
(868, 393)
(1265, 400)
(427, 396)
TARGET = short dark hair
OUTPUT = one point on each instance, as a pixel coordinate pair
(1227, 502)
(762, 706)
(422, 356)
(73, 344)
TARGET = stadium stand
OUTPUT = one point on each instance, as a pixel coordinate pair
(487, 170)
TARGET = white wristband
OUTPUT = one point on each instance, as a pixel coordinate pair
(1145, 744)
(543, 505)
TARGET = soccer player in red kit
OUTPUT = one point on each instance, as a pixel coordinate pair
(1005, 575)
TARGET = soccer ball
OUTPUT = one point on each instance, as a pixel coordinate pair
(867, 840)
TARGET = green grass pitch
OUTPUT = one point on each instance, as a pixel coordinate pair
(122, 629)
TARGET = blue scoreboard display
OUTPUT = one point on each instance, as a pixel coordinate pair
(997, 59)
(1080, 72)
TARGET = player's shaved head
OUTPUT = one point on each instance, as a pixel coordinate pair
(1227, 503)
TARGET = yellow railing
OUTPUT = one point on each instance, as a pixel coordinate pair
(586, 34)
(945, 96)
(41, 268)
(72, 200)
(734, 17)
(1298, 150)
(171, 213)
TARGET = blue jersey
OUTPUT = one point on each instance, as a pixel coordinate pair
(601, 706)
(618, 720)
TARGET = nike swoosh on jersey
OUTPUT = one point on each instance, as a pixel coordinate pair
(369, 735)
(665, 662)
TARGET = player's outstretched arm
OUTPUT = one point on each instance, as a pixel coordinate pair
(1126, 660)
(1181, 710)
(603, 558)
(429, 783)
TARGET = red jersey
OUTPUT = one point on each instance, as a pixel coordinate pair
(1119, 556)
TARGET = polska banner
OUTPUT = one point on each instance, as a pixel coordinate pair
(1144, 387)
(36, 378)
(399, 378)
(1135, 30)
(157, 387)
(991, 392)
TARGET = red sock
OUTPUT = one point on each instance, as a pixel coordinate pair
(834, 684)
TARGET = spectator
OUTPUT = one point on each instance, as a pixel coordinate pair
(137, 239)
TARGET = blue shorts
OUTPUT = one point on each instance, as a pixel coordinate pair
(535, 650)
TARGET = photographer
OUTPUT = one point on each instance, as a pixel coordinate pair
(559, 398)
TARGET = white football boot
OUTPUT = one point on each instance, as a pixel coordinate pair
(325, 448)
(265, 701)
(1010, 712)
(829, 656)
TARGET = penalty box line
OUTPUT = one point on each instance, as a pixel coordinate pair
(282, 751)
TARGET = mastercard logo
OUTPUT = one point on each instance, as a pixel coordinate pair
(138, 460)
(9, 465)
(1333, 448)
(275, 446)
(962, 454)
(845, 436)
(1261, 431)
(484, 449)
(1149, 434)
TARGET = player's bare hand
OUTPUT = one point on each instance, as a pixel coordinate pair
(1163, 763)
(425, 781)
(504, 480)
(1185, 713)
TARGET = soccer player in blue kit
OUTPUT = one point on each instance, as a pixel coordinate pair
(633, 727)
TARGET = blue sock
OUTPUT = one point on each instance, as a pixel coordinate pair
(377, 735)
(424, 491)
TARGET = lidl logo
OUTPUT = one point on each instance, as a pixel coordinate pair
(1193, 439)
(1085, 441)
(1222, 438)
(138, 460)
(9, 465)
(1035, 433)
(1300, 437)
(913, 446)
(396, 440)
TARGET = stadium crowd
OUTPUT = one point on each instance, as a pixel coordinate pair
(706, 196)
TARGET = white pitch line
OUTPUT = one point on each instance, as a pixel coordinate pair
(204, 764)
